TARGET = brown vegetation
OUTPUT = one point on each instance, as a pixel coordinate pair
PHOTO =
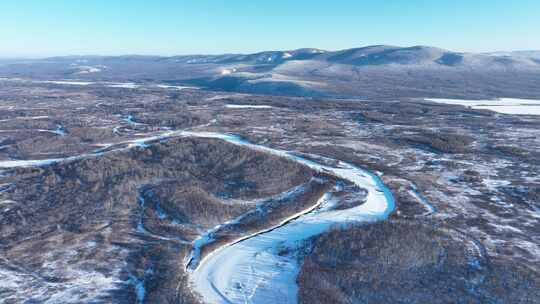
(409, 262)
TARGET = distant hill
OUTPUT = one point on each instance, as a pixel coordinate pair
(378, 71)
(526, 54)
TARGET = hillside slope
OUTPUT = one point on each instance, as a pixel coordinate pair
(368, 72)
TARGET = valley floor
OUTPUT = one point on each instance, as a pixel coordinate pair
(154, 194)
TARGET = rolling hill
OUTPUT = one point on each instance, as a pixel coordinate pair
(369, 72)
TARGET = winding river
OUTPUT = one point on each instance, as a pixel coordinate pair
(251, 269)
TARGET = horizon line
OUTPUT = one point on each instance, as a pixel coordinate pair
(165, 55)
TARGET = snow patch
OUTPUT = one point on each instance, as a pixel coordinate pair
(76, 83)
(163, 86)
(238, 106)
(85, 69)
(503, 105)
(126, 85)
(27, 163)
(228, 71)
(422, 200)
(60, 131)
(131, 120)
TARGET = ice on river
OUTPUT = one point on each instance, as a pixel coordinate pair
(252, 270)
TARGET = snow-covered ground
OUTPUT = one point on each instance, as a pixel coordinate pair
(60, 131)
(286, 55)
(86, 69)
(164, 86)
(131, 120)
(126, 85)
(503, 105)
(83, 83)
(275, 77)
(208, 237)
(225, 96)
(227, 71)
(128, 144)
(27, 163)
(238, 106)
(66, 82)
(25, 118)
(422, 200)
(251, 270)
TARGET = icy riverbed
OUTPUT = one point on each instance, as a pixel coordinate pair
(252, 270)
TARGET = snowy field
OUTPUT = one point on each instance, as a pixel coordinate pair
(239, 106)
(503, 105)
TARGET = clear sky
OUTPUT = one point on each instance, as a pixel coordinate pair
(166, 27)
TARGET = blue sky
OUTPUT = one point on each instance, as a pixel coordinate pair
(62, 27)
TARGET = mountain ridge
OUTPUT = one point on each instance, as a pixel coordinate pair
(521, 53)
(370, 71)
